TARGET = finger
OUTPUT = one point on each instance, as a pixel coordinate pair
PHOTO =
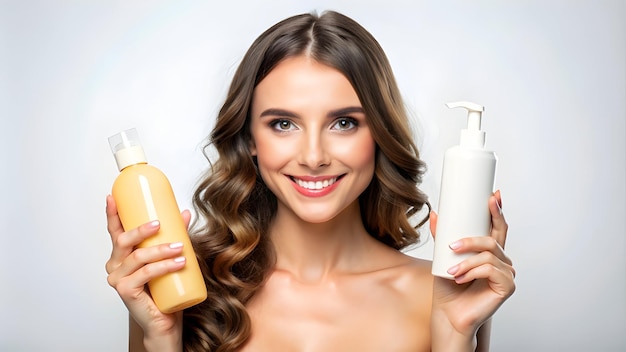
(114, 225)
(140, 258)
(480, 244)
(125, 243)
(498, 196)
(500, 279)
(480, 259)
(499, 225)
(433, 223)
(132, 287)
(186, 214)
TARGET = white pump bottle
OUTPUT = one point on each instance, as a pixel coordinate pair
(467, 182)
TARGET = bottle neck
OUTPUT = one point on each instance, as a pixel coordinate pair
(472, 139)
(131, 165)
(130, 156)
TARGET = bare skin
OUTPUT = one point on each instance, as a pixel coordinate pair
(333, 287)
(402, 283)
(384, 306)
(332, 283)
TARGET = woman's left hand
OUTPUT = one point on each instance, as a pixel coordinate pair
(481, 282)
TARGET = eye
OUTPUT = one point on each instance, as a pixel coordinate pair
(282, 125)
(345, 124)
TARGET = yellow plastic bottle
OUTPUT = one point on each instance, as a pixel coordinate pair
(143, 194)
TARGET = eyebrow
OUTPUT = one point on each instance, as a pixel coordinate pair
(332, 113)
(345, 111)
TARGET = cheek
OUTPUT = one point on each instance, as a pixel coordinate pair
(360, 153)
(270, 154)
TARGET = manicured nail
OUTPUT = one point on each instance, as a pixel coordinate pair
(455, 245)
(176, 245)
(179, 259)
(453, 270)
(154, 223)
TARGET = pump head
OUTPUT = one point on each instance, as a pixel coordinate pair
(472, 137)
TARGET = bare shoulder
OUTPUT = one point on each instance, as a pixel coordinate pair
(388, 295)
(416, 275)
(411, 279)
(415, 270)
(401, 292)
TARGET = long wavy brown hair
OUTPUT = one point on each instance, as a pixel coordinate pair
(234, 206)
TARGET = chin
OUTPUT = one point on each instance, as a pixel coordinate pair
(324, 215)
(316, 218)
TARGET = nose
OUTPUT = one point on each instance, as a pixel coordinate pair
(313, 152)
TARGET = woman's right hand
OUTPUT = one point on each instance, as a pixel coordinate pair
(130, 268)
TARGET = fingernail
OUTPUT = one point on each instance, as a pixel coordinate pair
(154, 223)
(453, 270)
(176, 245)
(179, 259)
(455, 245)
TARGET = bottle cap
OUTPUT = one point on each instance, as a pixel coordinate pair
(127, 149)
(472, 137)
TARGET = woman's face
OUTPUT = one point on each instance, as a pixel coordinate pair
(314, 148)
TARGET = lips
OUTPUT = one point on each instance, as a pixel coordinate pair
(315, 183)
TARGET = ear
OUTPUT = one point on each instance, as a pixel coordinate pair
(252, 147)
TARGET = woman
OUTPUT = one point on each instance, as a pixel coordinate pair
(303, 215)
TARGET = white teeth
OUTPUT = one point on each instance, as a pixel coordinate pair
(315, 185)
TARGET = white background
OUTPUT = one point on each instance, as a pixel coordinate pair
(551, 74)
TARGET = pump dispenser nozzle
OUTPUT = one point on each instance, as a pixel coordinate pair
(472, 137)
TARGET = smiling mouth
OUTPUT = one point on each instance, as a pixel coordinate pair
(315, 185)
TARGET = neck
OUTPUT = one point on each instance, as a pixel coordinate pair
(313, 252)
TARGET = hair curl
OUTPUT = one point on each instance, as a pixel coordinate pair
(235, 205)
